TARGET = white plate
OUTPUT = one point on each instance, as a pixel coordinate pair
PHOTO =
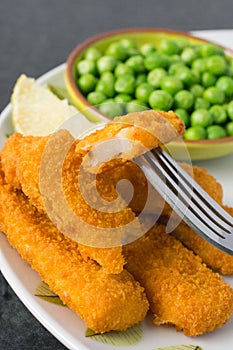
(64, 324)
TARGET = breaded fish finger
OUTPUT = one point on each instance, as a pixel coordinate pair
(147, 129)
(181, 290)
(215, 258)
(212, 256)
(104, 301)
(1, 209)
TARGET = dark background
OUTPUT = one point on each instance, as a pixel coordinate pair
(37, 35)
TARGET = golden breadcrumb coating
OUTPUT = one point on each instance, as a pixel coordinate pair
(142, 191)
(104, 301)
(21, 158)
(212, 256)
(181, 290)
(24, 173)
(111, 259)
(9, 158)
(148, 129)
(1, 209)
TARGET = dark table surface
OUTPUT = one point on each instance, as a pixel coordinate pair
(37, 35)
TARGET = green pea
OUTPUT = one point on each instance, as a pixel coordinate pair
(102, 88)
(160, 100)
(122, 69)
(174, 59)
(231, 62)
(219, 114)
(143, 92)
(141, 78)
(133, 52)
(155, 60)
(147, 48)
(106, 83)
(195, 133)
(182, 42)
(215, 132)
(155, 76)
(174, 67)
(85, 67)
(92, 53)
(225, 106)
(184, 99)
(197, 90)
(135, 106)
(216, 64)
(95, 98)
(169, 47)
(229, 70)
(225, 84)
(207, 50)
(229, 128)
(230, 110)
(87, 83)
(106, 64)
(171, 84)
(123, 98)
(200, 103)
(230, 67)
(196, 77)
(185, 75)
(201, 117)
(199, 65)
(125, 84)
(111, 108)
(188, 55)
(214, 95)
(136, 63)
(183, 114)
(108, 77)
(208, 79)
(128, 43)
(196, 47)
(116, 50)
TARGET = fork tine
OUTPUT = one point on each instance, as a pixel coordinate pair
(216, 214)
(211, 207)
(186, 196)
(172, 187)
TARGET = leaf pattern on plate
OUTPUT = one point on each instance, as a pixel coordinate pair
(131, 336)
(43, 292)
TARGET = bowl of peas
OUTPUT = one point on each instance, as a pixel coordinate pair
(132, 70)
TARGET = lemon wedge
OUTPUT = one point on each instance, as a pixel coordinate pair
(36, 110)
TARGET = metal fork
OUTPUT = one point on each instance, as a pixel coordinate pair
(188, 199)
